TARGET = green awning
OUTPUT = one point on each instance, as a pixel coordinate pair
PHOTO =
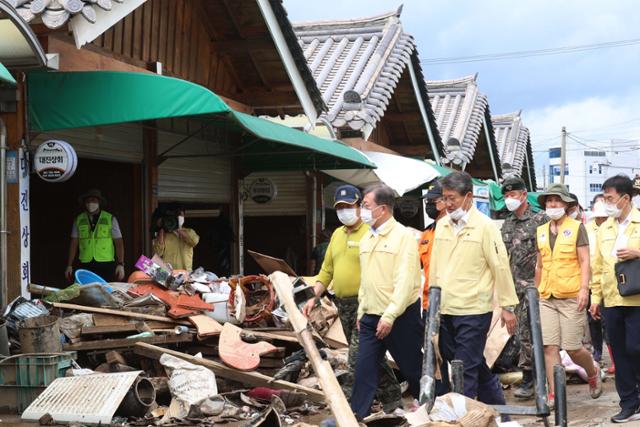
(66, 100)
(6, 77)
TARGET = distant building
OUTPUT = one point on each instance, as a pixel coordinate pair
(588, 167)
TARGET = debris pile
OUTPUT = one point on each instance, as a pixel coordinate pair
(173, 348)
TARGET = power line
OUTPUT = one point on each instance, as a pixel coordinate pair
(530, 53)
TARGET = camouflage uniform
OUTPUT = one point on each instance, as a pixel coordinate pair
(519, 236)
(389, 393)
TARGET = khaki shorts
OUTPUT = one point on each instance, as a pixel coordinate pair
(562, 324)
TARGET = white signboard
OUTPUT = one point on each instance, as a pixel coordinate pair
(55, 161)
(25, 223)
(263, 190)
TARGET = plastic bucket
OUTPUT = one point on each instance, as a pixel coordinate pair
(86, 277)
(40, 335)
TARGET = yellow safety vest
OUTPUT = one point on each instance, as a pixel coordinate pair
(96, 244)
(560, 266)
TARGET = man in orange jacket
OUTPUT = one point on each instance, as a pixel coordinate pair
(435, 209)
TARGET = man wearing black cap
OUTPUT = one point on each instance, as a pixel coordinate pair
(519, 236)
(341, 268)
(435, 209)
(97, 237)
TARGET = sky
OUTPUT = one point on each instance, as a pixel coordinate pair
(595, 94)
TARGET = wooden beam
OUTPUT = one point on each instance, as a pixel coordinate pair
(130, 314)
(255, 379)
(127, 342)
(402, 117)
(412, 150)
(333, 392)
(240, 46)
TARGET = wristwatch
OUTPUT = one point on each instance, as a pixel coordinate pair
(509, 308)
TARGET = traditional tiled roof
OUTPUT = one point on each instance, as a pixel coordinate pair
(459, 108)
(367, 56)
(512, 138)
(55, 13)
(514, 145)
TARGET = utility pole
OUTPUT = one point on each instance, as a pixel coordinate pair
(563, 154)
(543, 173)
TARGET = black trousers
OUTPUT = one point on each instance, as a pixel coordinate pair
(106, 270)
(623, 326)
(404, 342)
(464, 338)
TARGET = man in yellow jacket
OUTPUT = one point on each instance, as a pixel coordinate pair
(470, 264)
(618, 239)
(562, 278)
(174, 243)
(388, 299)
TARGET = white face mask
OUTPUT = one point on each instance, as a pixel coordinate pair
(92, 207)
(367, 216)
(180, 221)
(458, 213)
(612, 210)
(574, 214)
(555, 213)
(347, 216)
(512, 204)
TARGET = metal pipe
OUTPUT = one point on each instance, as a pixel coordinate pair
(424, 115)
(3, 214)
(491, 156)
(560, 384)
(539, 372)
(432, 328)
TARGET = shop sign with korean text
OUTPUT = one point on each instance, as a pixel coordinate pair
(263, 190)
(55, 161)
(25, 222)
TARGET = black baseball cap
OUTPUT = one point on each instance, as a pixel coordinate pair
(347, 194)
(434, 192)
(513, 184)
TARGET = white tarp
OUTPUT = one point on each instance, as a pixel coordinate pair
(403, 174)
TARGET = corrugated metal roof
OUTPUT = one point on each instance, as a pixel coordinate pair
(366, 55)
(512, 138)
(459, 108)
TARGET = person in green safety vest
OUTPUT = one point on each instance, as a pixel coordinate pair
(96, 239)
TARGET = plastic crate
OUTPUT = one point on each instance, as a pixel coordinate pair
(24, 376)
(34, 369)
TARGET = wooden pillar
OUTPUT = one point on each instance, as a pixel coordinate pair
(15, 123)
(150, 181)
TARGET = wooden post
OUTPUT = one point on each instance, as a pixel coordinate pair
(150, 179)
(332, 390)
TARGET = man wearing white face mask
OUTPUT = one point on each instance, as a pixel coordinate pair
(562, 275)
(470, 264)
(97, 237)
(174, 243)
(341, 267)
(519, 236)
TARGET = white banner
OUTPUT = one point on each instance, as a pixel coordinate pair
(25, 223)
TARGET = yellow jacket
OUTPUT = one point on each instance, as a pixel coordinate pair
(390, 270)
(604, 284)
(177, 251)
(560, 266)
(342, 261)
(470, 266)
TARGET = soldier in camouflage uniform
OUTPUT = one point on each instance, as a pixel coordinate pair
(519, 236)
(341, 268)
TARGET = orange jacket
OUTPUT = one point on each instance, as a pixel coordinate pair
(424, 249)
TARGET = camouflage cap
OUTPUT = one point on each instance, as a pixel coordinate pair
(512, 184)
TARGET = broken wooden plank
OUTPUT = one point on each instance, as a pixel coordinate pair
(239, 354)
(255, 379)
(102, 330)
(122, 313)
(330, 386)
(270, 336)
(127, 342)
(205, 325)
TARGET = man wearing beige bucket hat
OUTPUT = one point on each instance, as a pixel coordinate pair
(562, 277)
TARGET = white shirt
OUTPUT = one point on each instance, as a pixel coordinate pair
(462, 222)
(621, 239)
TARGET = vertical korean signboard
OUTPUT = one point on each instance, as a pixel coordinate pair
(25, 225)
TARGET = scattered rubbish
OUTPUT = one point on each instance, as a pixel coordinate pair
(91, 399)
(188, 382)
(239, 354)
(40, 335)
(455, 410)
